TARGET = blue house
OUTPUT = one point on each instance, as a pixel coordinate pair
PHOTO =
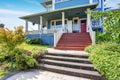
(65, 24)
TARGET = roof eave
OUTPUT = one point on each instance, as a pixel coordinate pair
(25, 17)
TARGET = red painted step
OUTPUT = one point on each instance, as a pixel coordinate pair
(74, 41)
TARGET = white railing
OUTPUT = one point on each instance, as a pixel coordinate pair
(57, 36)
(33, 32)
(47, 31)
(92, 33)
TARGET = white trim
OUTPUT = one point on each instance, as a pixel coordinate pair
(63, 20)
(26, 26)
(41, 24)
(56, 21)
(90, 1)
(53, 4)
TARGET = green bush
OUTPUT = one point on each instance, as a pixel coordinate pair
(106, 59)
(34, 41)
(18, 61)
(29, 41)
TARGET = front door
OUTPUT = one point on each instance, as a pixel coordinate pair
(83, 25)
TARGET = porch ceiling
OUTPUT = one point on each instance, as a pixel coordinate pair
(56, 14)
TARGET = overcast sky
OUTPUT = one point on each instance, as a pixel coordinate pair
(10, 10)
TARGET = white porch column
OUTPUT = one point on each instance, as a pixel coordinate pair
(88, 20)
(63, 21)
(39, 28)
(40, 24)
(53, 4)
(26, 26)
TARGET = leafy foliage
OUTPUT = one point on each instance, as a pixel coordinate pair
(34, 41)
(111, 23)
(106, 59)
(10, 39)
(13, 58)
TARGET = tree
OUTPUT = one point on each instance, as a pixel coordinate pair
(2, 25)
(10, 39)
(12, 57)
(111, 23)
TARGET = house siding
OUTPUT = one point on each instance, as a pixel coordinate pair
(70, 3)
(100, 6)
(48, 39)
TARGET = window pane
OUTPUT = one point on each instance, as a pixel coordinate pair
(57, 0)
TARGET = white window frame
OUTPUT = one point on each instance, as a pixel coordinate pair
(56, 21)
(61, 1)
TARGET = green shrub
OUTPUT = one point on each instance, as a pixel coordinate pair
(20, 61)
(34, 41)
(106, 59)
(38, 53)
(90, 48)
(29, 41)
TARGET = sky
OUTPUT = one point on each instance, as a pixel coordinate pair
(11, 10)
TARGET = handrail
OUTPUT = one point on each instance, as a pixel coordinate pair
(92, 33)
(57, 36)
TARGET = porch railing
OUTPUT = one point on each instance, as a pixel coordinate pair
(57, 36)
(90, 30)
(92, 35)
(48, 31)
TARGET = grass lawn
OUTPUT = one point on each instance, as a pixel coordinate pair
(31, 47)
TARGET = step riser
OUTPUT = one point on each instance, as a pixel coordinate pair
(72, 73)
(67, 55)
(68, 65)
(69, 60)
(68, 48)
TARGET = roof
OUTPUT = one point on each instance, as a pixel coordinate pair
(56, 14)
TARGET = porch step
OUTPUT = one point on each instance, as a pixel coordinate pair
(94, 75)
(74, 41)
(69, 64)
(85, 56)
(70, 48)
(69, 59)
(74, 64)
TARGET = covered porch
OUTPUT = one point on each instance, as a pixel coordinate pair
(67, 20)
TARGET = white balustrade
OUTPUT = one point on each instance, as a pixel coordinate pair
(92, 33)
(47, 31)
(57, 36)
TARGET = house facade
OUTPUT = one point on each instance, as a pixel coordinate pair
(64, 16)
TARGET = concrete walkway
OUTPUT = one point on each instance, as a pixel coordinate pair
(52, 50)
(42, 75)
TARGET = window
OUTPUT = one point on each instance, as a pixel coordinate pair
(49, 7)
(52, 23)
(58, 1)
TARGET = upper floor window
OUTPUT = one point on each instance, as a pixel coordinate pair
(57, 1)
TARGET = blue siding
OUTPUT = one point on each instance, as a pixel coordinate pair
(46, 38)
(100, 7)
(70, 3)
